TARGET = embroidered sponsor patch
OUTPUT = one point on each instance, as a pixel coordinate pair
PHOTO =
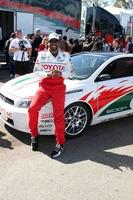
(53, 67)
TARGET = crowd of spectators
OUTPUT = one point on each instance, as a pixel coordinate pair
(39, 42)
(93, 44)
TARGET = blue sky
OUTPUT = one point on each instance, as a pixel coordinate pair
(110, 1)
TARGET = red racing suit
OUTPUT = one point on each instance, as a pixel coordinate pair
(52, 88)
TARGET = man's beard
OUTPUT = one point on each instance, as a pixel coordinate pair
(54, 52)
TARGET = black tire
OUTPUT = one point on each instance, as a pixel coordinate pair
(77, 119)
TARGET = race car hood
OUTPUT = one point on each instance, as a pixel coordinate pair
(23, 86)
(26, 86)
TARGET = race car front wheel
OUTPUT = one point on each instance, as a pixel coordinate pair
(77, 119)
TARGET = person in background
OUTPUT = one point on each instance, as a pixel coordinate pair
(98, 45)
(9, 55)
(21, 49)
(35, 44)
(76, 48)
(70, 43)
(129, 46)
(122, 42)
(44, 44)
(116, 45)
(31, 38)
(88, 43)
(52, 87)
(63, 45)
(106, 46)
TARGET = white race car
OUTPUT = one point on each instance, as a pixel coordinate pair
(101, 90)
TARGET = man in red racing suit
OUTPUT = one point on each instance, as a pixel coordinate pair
(57, 66)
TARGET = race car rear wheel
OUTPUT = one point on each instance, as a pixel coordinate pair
(77, 119)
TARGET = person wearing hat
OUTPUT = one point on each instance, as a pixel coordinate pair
(57, 67)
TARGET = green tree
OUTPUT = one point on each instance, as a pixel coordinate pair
(127, 4)
(101, 3)
(105, 3)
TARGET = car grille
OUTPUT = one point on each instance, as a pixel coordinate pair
(5, 99)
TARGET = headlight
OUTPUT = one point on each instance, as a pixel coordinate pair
(24, 103)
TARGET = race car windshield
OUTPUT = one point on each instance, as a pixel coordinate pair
(86, 64)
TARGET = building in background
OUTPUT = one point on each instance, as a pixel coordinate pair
(67, 17)
(102, 23)
(49, 15)
(124, 16)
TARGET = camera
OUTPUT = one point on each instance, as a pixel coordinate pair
(22, 45)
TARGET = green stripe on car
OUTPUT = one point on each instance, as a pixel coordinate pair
(22, 80)
(119, 105)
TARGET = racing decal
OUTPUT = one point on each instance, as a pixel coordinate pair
(47, 121)
(9, 114)
(26, 84)
(53, 67)
(74, 91)
(45, 130)
(110, 95)
(122, 104)
(46, 115)
(103, 96)
(45, 126)
(84, 98)
(123, 81)
(22, 80)
(5, 114)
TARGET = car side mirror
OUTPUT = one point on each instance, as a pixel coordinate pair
(103, 77)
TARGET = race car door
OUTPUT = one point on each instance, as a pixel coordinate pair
(115, 89)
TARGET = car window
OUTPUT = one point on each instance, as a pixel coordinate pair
(85, 65)
(119, 68)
